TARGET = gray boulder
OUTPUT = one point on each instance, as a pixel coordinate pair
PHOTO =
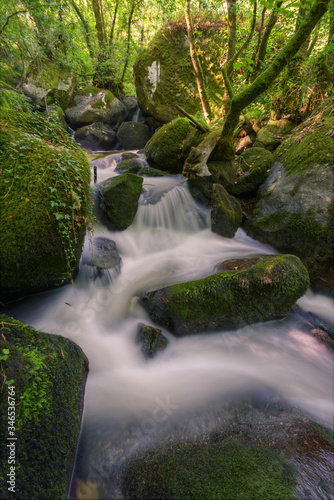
(103, 254)
(133, 135)
(95, 105)
(131, 105)
(96, 136)
(226, 213)
(151, 340)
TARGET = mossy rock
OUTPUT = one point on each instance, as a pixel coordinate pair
(295, 207)
(151, 340)
(253, 166)
(95, 105)
(164, 73)
(267, 290)
(269, 137)
(47, 376)
(166, 147)
(130, 165)
(230, 470)
(14, 100)
(151, 172)
(45, 184)
(226, 213)
(133, 135)
(47, 83)
(120, 200)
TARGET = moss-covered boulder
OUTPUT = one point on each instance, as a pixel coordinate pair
(295, 208)
(226, 213)
(120, 197)
(229, 470)
(270, 136)
(95, 105)
(45, 204)
(170, 145)
(151, 340)
(131, 165)
(252, 168)
(96, 136)
(164, 74)
(264, 291)
(133, 135)
(43, 379)
(151, 172)
(46, 83)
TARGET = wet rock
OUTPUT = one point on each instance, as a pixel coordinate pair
(131, 104)
(95, 105)
(270, 136)
(95, 136)
(103, 254)
(167, 148)
(133, 135)
(120, 197)
(226, 213)
(264, 291)
(151, 172)
(127, 156)
(49, 374)
(131, 165)
(252, 169)
(295, 207)
(151, 340)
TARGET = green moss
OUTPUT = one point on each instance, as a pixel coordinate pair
(265, 291)
(131, 165)
(270, 222)
(253, 165)
(165, 148)
(327, 434)
(307, 227)
(310, 144)
(45, 190)
(49, 374)
(226, 214)
(120, 200)
(217, 471)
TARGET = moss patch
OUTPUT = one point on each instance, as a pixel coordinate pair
(48, 373)
(252, 166)
(228, 471)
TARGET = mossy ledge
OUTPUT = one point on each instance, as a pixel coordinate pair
(267, 290)
(47, 373)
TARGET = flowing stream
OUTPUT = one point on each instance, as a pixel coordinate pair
(132, 403)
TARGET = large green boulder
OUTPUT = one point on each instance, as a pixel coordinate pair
(252, 168)
(264, 289)
(164, 75)
(295, 207)
(45, 204)
(226, 213)
(43, 380)
(170, 145)
(95, 105)
(46, 83)
(119, 201)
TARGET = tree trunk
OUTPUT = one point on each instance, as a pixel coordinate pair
(267, 32)
(128, 42)
(225, 148)
(98, 14)
(196, 163)
(197, 66)
(232, 28)
(85, 27)
(112, 30)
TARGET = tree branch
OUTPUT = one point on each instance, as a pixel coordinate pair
(11, 15)
(192, 119)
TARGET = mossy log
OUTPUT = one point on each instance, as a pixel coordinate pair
(196, 163)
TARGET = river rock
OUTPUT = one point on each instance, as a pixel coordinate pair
(45, 183)
(46, 83)
(267, 290)
(48, 375)
(151, 340)
(164, 73)
(120, 197)
(96, 136)
(295, 208)
(103, 254)
(131, 165)
(95, 105)
(226, 213)
(270, 136)
(170, 145)
(252, 169)
(133, 135)
(151, 172)
(131, 104)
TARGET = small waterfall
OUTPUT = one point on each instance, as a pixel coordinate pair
(137, 115)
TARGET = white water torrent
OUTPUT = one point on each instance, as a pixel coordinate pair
(126, 395)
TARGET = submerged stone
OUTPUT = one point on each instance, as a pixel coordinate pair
(151, 340)
(265, 291)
